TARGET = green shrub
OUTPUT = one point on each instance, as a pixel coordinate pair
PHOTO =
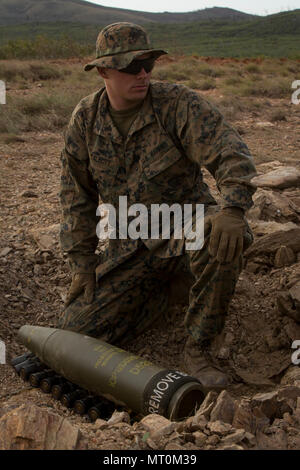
(265, 87)
(253, 68)
(43, 47)
(47, 72)
(45, 110)
(233, 81)
(16, 71)
(193, 84)
(208, 84)
(209, 71)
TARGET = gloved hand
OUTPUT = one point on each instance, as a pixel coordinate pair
(226, 237)
(82, 282)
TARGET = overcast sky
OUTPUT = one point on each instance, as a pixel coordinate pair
(259, 7)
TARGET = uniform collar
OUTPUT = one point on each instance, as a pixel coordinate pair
(105, 126)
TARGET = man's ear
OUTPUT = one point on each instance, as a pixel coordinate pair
(102, 72)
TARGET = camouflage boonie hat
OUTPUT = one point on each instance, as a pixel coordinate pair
(118, 44)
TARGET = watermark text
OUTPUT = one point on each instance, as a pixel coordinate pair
(296, 354)
(2, 92)
(296, 85)
(163, 222)
(2, 352)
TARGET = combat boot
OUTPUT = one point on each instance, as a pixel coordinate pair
(199, 364)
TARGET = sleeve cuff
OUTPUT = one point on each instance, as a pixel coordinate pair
(237, 196)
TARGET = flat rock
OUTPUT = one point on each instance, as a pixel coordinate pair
(261, 227)
(273, 441)
(163, 431)
(197, 422)
(218, 427)
(249, 419)
(289, 392)
(200, 438)
(224, 408)
(5, 251)
(29, 427)
(207, 405)
(174, 446)
(266, 402)
(274, 206)
(119, 417)
(269, 244)
(235, 437)
(154, 422)
(100, 424)
(291, 375)
(281, 178)
(268, 166)
(243, 417)
(230, 447)
(46, 237)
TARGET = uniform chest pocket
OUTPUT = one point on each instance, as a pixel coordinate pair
(167, 177)
(164, 162)
(104, 171)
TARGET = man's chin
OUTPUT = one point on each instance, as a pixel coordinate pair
(139, 94)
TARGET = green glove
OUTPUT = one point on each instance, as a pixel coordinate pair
(227, 233)
(82, 282)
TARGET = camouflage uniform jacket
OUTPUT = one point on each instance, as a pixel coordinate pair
(175, 133)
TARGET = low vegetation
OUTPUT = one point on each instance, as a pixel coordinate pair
(42, 94)
(43, 47)
(271, 36)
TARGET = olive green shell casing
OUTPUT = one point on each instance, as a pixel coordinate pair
(122, 377)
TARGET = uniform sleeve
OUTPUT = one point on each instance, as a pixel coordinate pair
(79, 201)
(209, 140)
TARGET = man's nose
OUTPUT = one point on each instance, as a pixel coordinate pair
(142, 73)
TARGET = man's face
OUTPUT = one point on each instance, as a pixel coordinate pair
(126, 90)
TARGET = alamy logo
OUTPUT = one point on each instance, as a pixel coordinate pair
(2, 352)
(296, 355)
(295, 99)
(156, 225)
(2, 92)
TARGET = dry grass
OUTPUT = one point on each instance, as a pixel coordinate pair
(42, 95)
(268, 87)
(51, 91)
(259, 78)
(201, 84)
(16, 71)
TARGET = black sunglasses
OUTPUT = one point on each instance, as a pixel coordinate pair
(137, 65)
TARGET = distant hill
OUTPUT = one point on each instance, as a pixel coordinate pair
(272, 36)
(14, 12)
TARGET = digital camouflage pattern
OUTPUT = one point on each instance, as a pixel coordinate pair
(119, 43)
(175, 133)
(133, 295)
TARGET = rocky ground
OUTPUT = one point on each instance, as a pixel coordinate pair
(261, 408)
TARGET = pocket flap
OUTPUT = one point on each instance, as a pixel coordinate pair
(159, 165)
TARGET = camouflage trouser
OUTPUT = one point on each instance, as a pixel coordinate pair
(130, 297)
